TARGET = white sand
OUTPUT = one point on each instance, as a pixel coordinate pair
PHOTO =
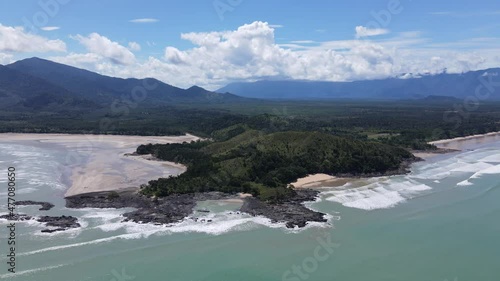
(464, 142)
(425, 155)
(99, 162)
(318, 181)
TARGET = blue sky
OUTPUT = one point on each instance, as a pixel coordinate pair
(213, 42)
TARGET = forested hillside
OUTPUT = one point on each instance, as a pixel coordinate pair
(263, 164)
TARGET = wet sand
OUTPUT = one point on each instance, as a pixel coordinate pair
(463, 143)
(100, 162)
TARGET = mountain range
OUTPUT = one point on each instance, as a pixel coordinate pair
(416, 87)
(37, 83)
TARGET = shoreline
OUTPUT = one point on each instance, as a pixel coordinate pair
(445, 146)
(462, 143)
(174, 208)
(319, 180)
(98, 163)
(471, 137)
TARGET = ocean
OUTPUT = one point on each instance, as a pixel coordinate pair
(440, 222)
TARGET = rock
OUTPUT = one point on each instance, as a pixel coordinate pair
(16, 217)
(64, 222)
(175, 208)
(48, 230)
(291, 211)
(45, 206)
(61, 223)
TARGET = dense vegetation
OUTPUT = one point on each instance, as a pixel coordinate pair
(263, 164)
(403, 123)
(252, 145)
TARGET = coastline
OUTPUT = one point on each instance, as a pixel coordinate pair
(461, 143)
(166, 210)
(319, 181)
(100, 163)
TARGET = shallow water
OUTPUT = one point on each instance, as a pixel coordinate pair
(438, 223)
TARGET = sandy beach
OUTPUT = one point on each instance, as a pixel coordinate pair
(319, 180)
(465, 142)
(100, 162)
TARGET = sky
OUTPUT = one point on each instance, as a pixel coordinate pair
(211, 43)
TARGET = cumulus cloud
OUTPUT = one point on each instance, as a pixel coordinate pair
(250, 53)
(15, 39)
(134, 46)
(101, 45)
(362, 31)
(144, 20)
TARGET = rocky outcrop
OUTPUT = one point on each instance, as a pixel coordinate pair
(61, 223)
(292, 211)
(45, 206)
(64, 222)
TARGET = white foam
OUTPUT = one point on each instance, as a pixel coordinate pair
(495, 158)
(465, 183)
(378, 198)
(30, 271)
(472, 168)
(493, 170)
(97, 241)
(379, 195)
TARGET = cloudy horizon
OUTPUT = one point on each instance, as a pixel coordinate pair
(377, 47)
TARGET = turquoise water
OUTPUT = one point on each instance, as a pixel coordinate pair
(441, 222)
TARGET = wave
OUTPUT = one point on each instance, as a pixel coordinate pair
(30, 271)
(493, 170)
(378, 195)
(465, 183)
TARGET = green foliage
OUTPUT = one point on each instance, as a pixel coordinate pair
(264, 164)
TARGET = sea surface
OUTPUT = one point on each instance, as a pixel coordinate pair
(441, 222)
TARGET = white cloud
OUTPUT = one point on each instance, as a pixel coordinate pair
(250, 53)
(6, 58)
(15, 39)
(134, 46)
(276, 26)
(303, 42)
(79, 60)
(101, 45)
(50, 28)
(362, 31)
(144, 20)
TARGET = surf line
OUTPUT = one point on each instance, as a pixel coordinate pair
(11, 207)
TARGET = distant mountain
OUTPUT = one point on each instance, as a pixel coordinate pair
(447, 85)
(104, 90)
(19, 90)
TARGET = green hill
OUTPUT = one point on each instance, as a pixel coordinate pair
(264, 164)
